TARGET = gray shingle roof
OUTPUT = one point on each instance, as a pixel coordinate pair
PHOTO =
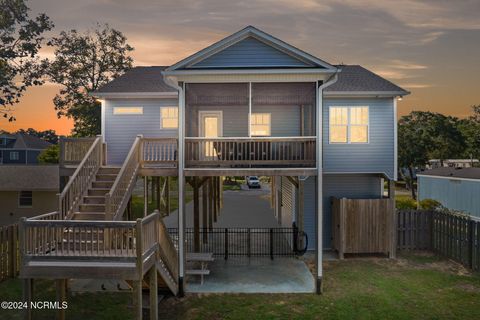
(29, 177)
(355, 78)
(138, 79)
(467, 173)
(32, 142)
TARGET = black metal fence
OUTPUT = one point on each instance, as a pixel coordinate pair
(454, 236)
(246, 242)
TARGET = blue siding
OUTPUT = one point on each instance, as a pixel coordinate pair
(355, 186)
(250, 52)
(462, 195)
(375, 157)
(121, 130)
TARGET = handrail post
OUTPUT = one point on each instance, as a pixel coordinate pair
(139, 247)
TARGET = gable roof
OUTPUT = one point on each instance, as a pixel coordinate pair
(138, 80)
(25, 141)
(251, 32)
(464, 173)
(355, 79)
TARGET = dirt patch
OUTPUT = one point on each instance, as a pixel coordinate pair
(468, 288)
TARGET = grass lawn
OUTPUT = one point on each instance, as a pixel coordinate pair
(413, 287)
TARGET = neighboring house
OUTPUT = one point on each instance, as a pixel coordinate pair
(20, 148)
(454, 188)
(249, 104)
(454, 163)
(27, 190)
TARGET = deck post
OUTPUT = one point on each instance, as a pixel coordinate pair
(196, 215)
(210, 204)
(181, 187)
(167, 195)
(301, 209)
(153, 288)
(214, 195)
(137, 299)
(28, 297)
(158, 193)
(204, 210)
(61, 297)
(145, 196)
(319, 189)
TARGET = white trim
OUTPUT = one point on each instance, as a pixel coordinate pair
(254, 138)
(103, 119)
(395, 140)
(249, 71)
(202, 114)
(377, 94)
(161, 124)
(116, 111)
(133, 95)
(448, 178)
(242, 34)
(249, 108)
(349, 142)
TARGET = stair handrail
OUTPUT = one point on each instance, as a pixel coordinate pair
(168, 252)
(117, 198)
(69, 199)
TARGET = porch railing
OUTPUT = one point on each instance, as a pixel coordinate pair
(247, 151)
(70, 197)
(159, 151)
(73, 150)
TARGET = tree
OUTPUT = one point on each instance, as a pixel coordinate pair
(49, 155)
(470, 129)
(447, 140)
(47, 135)
(83, 63)
(20, 40)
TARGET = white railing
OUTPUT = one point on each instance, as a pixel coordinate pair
(80, 181)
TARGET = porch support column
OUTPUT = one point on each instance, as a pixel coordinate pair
(181, 186)
(249, 108)
(319, 189)
(145, 196)
(210, 203)
(301, 209)
(204, 210)
(167, 196)
(196, 214)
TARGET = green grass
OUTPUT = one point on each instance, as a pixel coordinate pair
(416, 286)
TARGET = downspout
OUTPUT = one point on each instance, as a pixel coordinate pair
(181, 178)
(319, 197)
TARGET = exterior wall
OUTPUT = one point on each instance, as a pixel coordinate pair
(249, 53)
(235, 120)
(359, 186)
(454, 194)
(42, 202)
(22, 157)
(285, 120)
(375, 157)
(121, 130)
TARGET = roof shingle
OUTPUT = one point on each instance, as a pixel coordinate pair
(467, 173)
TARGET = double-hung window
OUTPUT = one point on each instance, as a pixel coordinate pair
(25, 199)
(127, 110)
(168, 117)
(349, 124)
(260, 124)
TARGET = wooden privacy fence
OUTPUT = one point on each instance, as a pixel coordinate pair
(9, 254)
(363, 226)
(450, 235)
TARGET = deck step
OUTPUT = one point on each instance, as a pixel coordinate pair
(86, 215)
(102, 184)
(94, 199)
(105, 177)
(92, 207)
(98, 191)
(109, 170)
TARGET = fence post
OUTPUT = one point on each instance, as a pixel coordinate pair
(271, 243)
(12, 241)
(248, 243)
(471, 225)
(295, 238)
(226, 243)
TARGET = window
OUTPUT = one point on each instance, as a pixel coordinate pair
(168, 117)
(349, 124)
(25, 199)
(14, 155)
(260, 124)
(127, 110)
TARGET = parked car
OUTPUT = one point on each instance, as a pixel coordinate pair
(253, 182)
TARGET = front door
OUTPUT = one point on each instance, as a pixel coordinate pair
(210, 127)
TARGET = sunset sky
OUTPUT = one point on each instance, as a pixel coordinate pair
(431, 48)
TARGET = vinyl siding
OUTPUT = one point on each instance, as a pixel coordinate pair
(377, 156)
(356, 186)
(235, 120)
(249, 52)
(285, 120)
(121, 130)
(462, 195)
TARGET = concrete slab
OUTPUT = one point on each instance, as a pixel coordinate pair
(255, 275)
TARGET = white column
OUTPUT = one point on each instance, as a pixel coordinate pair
(319, 202)
(249, 108)
(181, 185)
(395, 140)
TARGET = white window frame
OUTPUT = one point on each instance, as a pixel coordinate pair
(19, 196)
(161, 118)
(349, 125)
(269, 125)
(117, 112)
(16, 153)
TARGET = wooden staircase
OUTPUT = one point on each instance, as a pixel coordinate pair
(92, 205)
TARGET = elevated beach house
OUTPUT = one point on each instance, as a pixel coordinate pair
(249, 104)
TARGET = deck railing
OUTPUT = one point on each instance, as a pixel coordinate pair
(117, 198)
(159, 151)
(73, 150)
(247, 151)
(79, 182)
